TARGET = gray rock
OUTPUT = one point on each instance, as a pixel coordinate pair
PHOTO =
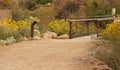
(25, 39)
(37, 33)
(54, 35)
(2, 43)
(65, 36)
(10, 40)
(49, 35)
(36, 38)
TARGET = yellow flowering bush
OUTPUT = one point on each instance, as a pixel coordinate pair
(22, 26)
(59, 26)
(113, 28)
(10, 23)
(16, 24)
(62, 26)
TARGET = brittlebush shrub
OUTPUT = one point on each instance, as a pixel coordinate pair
(22, 26)
(63, 27)
(111, 46)
(59, 26)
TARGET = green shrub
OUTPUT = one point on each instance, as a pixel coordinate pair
(111, 46)
(110, 51)
(42, 28)
(6, 32)
(45, 14)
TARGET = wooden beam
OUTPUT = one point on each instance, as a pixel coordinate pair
(32, 29)
(70, 31)
(97, 28)
(92, 19)
(88, 32)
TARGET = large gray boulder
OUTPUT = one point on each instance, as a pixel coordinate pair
(2, 43)
(65, 36)
(10, 40)
(49, 35)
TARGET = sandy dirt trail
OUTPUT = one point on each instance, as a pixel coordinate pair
(46, 54)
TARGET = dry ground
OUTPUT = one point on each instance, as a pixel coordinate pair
(46, 54)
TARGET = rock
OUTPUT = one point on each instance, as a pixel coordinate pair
(25, 39)
(54, 35)
(49, 35)
(2, 43)
(10, 40)
(36, 38)
(65, 36)
(101, 67)
(93, 36)
(37, 33)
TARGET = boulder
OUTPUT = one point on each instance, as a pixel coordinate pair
(49, 35)
(36, 38)
(101, 67)
(54, 35)
(2, 43)
(65, 36)
(36, 33)
(25, 39)
(10, 40)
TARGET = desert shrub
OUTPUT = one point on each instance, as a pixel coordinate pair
(113, 28)
(62, 27)
(20, 13)
(59, 26)
(111, 46)
(17, 13)
(45, 14)
(6, 32)
(65, 11)
(22, 26)
(42, 28)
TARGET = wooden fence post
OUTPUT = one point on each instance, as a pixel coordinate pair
(88, 32)
(113, 12)
(70, 31)
(97, 22)
(32, 29)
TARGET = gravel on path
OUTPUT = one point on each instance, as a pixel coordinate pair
(46, 54)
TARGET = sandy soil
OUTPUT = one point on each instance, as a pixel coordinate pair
(49, 54)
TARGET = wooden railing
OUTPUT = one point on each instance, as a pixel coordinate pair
(87, 20)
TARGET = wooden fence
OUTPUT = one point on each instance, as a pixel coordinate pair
(5, 13)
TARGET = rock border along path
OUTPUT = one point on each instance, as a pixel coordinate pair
(46, 54)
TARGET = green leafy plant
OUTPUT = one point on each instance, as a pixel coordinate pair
(6, 32)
